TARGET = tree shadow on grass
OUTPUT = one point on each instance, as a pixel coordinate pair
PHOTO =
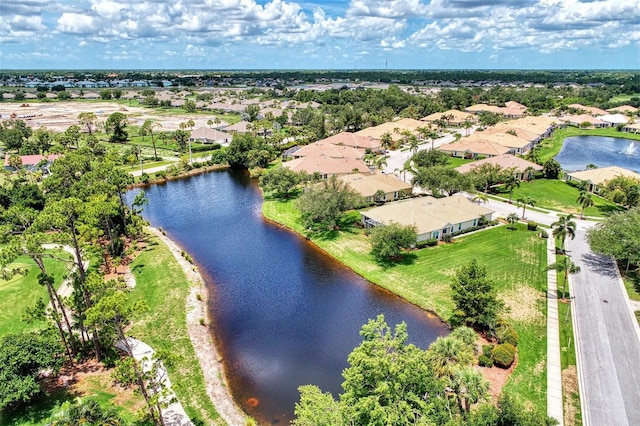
(404, 259)
(39, 411)
(347, 224)
(607, 210)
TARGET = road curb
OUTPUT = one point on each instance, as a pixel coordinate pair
(626, 298)
(576, 326)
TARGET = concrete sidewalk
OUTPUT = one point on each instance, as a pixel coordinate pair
(554, 369)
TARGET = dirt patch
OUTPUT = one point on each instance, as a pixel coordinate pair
(497, 377)
(58, 116)
(571, 401)
(523, 303)
(201, 339)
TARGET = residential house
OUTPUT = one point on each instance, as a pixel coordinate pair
(624, 109)
(588, 109)
(432, 217)
(354, 141)
(584, 120)
(327, 166)
(453, 117)
(394, 128)
(208, 135)
(523, 169)
(239, 127)
(369, 184)
(474, 148)
(328, 150)
(31, 162)
(598, 177)
(613, 119)
(632, 128)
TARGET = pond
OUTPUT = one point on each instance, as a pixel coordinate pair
(579, 151)
(285, 313)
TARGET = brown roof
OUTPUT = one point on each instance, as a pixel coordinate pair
(353, 140)
(624, 109)
(478, 147)
(329, 150)
(601, 175)
(458, 116)
(505, 161)
(368, 184)
(327, 165)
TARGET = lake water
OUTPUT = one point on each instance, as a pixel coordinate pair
(285, 313)
(578, 151)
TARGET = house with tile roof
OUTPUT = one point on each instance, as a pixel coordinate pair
(523, 169)
(432, 217)
(474, 148)
(595, 178)
(327, 166)
(368, 184)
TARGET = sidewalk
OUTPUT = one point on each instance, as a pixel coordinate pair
(554, 369)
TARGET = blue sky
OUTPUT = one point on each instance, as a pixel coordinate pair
(305, 34)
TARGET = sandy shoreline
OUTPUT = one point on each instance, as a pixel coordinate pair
(203, 345)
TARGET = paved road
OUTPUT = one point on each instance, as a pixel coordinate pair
(607, 339)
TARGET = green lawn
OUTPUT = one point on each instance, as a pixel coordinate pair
(163, 287)
(457, 161)
(21, 292)
(514, 259)
(558, 195)
(624, 98)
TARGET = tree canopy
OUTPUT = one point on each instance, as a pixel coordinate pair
(322, 205)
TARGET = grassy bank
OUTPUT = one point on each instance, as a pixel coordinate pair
(163, 287)
(551, 147)
(514, 259)
(558, 195)
(22, 291)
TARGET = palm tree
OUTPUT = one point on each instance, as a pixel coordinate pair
(386, 140)
(480, 197)
(381, 162)
(526, 201)
(512, 219)
(529, 172)
(566, 267)
(585, 200)
(447, 354)
(414, 143)
(564, 227)
(510, 183)
(467, 124)
(470, 387)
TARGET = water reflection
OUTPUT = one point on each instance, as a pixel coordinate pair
(579, 151)
(285, 313)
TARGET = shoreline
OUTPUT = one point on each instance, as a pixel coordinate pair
(202, 337)
(428, 312)
(192, 172)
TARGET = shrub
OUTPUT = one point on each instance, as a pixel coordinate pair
(427, 243)
(508, 335)
(144, 178)
(485, 361)
(487, 349)
(202, 322)
(447, 238)
(503, 355)
(532, 226)
(162, 174)
(543, 234)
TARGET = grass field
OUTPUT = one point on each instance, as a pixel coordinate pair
(624, 98)
(163, 287)
(22, 292)
(559, 195)
(514, 259)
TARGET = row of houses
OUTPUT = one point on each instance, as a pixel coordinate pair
(510, 137)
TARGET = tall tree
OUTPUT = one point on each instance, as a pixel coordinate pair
(148, 127)
(566, 267)
(511, 182)
(525, 201)
(618, 236)
(388, 241)
(585, 200)
(564, 227)
(116, 124)
(88, 120)
(475, 296)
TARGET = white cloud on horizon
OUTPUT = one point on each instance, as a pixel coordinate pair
(454, 27)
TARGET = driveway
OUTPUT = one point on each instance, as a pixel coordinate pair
(607, 339)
